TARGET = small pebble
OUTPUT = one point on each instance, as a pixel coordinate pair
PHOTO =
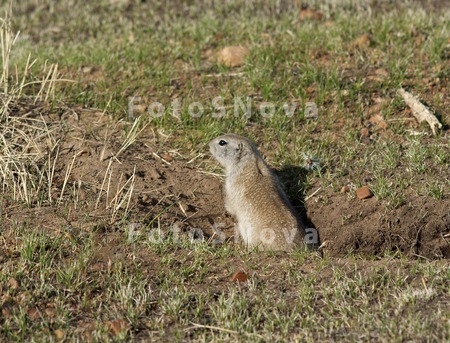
(166, 157)
(365, 132)
(240, 276)
(364, 193)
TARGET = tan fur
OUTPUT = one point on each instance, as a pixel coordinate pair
(254, 196)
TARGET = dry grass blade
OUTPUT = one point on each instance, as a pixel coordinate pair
(123, 195)
(48, 83)
(68, 172)
(107, 172)
(131, 136)
(22, 157)
(7, 40)
(51, 170)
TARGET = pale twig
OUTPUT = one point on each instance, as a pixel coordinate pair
(160, 158)
(217, 328)
(310, 196)
(420, 111)
(225, 74)
(200, 155)
(213, 174)
(210, 327)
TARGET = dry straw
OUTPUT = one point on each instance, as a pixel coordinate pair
(26, 141)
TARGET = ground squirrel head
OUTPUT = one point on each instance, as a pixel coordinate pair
(232, 150)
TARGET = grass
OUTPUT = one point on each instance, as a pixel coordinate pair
(70, 278)
(190, 295)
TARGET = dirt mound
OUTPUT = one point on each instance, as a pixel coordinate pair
(349, 225)
(146, 186)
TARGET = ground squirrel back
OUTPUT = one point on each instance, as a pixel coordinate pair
(254, 196)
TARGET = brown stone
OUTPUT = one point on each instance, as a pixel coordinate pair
(375, 108)
(361, 42)
(167, 157)
(50, 311)
(33, 313)
(379, 121)
(365, 132)
(266, 36)
(13, 283)
(233, 56)
(240, 276)
(6, 312)
(309, 14)
(383, 125)
(381, 72)
(376, 119)
(375, 78)
(364, 193)
(59, 334)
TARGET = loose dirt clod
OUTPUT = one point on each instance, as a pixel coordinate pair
(6, 311)
(167, 157)
(33, 313)
(59, 334)
(361, 42)
(118, 326)
(379, 121)
(233, 56)
(365, 132)
(13, 283)
(50, 311)
(382, 125)
(309, 14)
(364, 193)
(239, 276)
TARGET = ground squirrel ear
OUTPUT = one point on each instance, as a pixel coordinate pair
(260, 167)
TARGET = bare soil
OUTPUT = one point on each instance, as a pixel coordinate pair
(173, 192)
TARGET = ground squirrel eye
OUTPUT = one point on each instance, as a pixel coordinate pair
(222, 142)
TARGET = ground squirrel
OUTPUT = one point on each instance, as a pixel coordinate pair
(254, 196)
